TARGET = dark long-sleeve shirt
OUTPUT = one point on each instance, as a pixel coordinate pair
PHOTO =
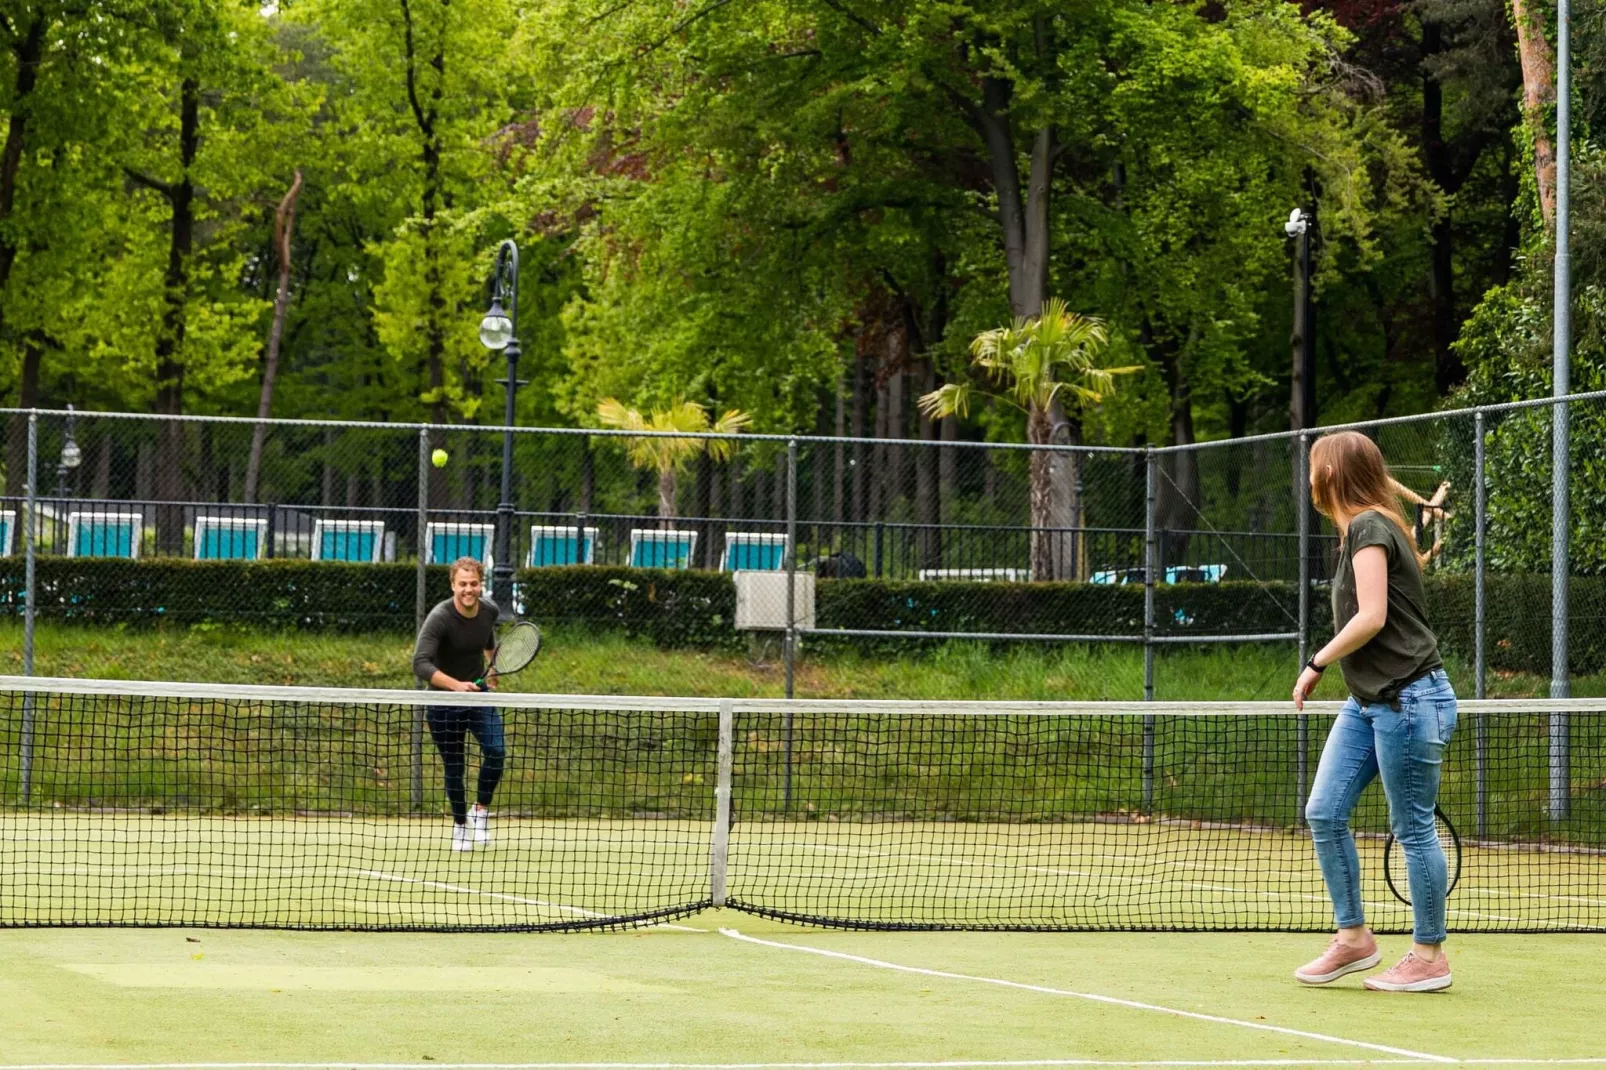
(453, 643)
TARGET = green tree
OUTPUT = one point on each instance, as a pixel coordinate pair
(1038, 360)
(670, 455)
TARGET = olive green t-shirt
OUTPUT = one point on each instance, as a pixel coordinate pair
(1405, 649)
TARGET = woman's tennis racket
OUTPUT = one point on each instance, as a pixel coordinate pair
(1394, 865)
(518, 647)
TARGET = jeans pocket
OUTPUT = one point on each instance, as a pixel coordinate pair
(1446, 713)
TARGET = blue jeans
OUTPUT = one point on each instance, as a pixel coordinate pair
(450, 726)
(1406, 746)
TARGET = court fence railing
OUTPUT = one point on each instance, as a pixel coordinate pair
(965, 534)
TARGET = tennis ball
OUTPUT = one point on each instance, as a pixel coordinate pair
(438, 458)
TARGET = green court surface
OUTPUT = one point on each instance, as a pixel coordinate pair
(764, 994)
(73, 867)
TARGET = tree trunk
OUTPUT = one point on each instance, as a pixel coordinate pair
(666, 493)
(28, 50)
(838, 457)
(426, 118)
(284, 222)
(27, 398)
(1039, 427)
(170, 340)
(861, 387)
(1176, 508)
(1538, 97)
(928, 509)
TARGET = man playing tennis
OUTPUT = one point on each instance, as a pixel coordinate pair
(452, 651)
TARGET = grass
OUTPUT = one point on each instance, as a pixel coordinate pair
(576, 661)
(699, 995)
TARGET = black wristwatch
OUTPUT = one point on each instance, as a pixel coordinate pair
(1313, 667)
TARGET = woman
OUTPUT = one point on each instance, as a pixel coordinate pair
(1399, 717)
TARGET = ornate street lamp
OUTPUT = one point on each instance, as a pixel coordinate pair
(499, 331)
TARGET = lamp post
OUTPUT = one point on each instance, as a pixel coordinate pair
(71, 458)
(499, 331)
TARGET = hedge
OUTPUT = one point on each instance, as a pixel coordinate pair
(697, 609)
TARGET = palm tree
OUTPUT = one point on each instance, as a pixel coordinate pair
(670, 455)
(1035, 361)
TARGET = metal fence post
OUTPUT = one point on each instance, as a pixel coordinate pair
(790, 652)
(789, 641)
(1148, 625)
(419, 609)
(1302, 721)
(29, 598)
(1560, 685)
(1479, 614)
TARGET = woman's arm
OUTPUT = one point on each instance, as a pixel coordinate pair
(1372, 612)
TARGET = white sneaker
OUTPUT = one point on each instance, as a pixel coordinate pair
(479, 823)
(462, 838)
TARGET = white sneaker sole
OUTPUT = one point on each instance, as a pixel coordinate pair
(1431, 984)
(1354, 967)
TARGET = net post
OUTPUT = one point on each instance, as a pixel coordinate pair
(719, 848)
(1149, 566)
(1479, 612)
(29, 531)
(419, 608)
(1302, 721)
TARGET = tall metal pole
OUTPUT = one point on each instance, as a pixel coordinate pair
(791, 567)
(29, 538)
(1479, 618)
(420, 608)
(1302, 721)
(1149, 568)
(1560, 453)
(790, 642)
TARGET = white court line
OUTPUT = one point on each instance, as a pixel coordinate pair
(561, 908)
(968, 1064)
(1090, 996)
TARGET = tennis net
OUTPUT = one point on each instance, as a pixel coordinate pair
(146, 804)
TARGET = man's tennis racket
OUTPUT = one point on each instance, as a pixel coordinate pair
(518, 647)
(1394, 864)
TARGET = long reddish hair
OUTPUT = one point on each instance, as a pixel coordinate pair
(1349, 476)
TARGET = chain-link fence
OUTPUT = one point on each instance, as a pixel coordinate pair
(133, 518)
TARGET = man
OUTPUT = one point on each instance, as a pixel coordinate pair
(453, 649)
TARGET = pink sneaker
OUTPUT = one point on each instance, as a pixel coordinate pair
(1412, 974)
(1337, 960)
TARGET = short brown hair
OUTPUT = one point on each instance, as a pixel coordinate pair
(472, 564)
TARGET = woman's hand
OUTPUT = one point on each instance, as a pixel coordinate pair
(1305, 685)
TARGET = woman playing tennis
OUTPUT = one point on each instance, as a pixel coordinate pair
(1400, 715)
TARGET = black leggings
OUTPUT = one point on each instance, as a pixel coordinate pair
(449, 726)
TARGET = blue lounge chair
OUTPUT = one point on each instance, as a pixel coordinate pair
(348, 540)
(446, 542)
(8, 532)
(661, 549)
(96, 534)
(230, 538)
(747, 551)
(555, 545)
